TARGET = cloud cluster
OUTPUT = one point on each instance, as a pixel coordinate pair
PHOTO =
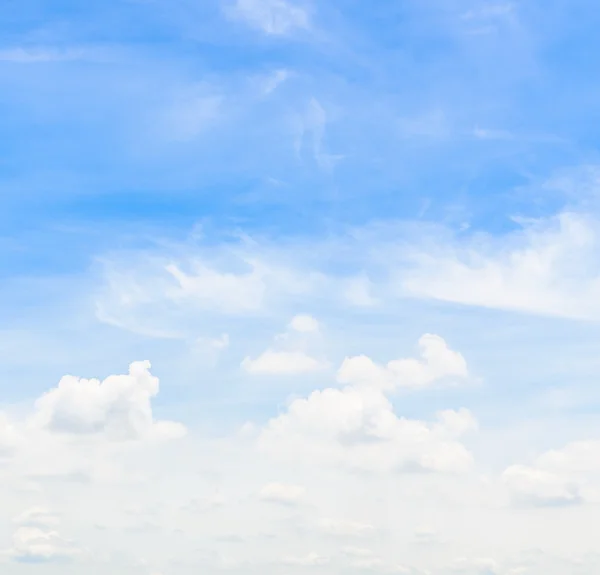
(437, 363)
(119, 407)
(357, 427)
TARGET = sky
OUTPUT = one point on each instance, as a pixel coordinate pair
(295, 287)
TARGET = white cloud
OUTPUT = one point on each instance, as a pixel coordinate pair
(564, 476)
(37, 540)
(547, 268)
(119, 407)
(165, 295)
(273, 362)
(358, 292)
(273, 17)
(304, 324)
(538, 487)
(357, 427)
(282, 493)
(311, 132)
(437, 362)
(289, 357)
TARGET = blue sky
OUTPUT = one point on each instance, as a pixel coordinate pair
(357, 242)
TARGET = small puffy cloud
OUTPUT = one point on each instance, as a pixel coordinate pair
(273, 362)
(282, 493)
(304, 324)
(288, 356)
(36, 539)
(437, 362)
(357, 427)
(119, 407)
(273, 17)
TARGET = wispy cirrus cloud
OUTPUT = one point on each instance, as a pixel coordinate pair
(273, 17)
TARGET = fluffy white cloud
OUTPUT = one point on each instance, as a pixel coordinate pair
(357, 427)
(273, 362)
(119, 407)
(558, 477)
(274, 17)
(282, 493)
(304, 324)
(437, 362)
(289, 356)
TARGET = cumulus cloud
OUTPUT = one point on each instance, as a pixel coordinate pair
(304, 324)
(282, 493)
(282, 363)
(289, 357)
(437, 362)
(357, 427)
(273, 17)
(118, 407)
(566, 476)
